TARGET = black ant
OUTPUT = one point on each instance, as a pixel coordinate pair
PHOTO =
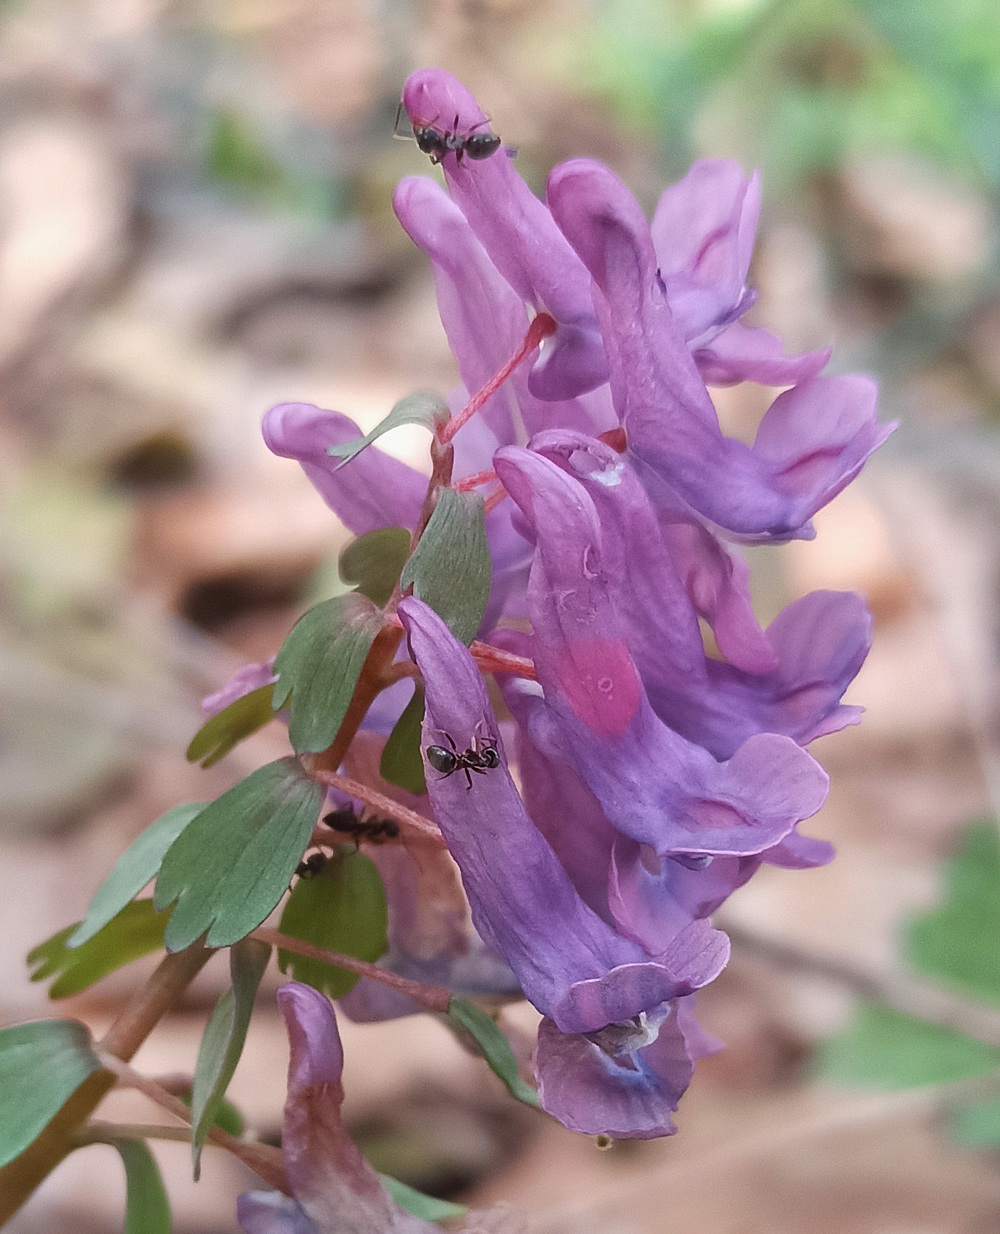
(437, 143)
(480, 757)
(313, 865)
(347, 822)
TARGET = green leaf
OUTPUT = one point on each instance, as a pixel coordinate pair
(373, 562)
(135, 867)
(450, 568)
(429, 410)
(41, 1067)
(978, 1125)
(135, 931)
(494, 1047)
(401, 763)
(228, 727)
(886, 1049)
(147, 1210)
(232, 864)
(342, 909)
(426, 1207)
(319, 664)
(960, 941)
(222, 1042)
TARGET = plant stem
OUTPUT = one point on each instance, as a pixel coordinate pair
(433, 997)
(414, 826)
(261, 1158)
(20, 1177)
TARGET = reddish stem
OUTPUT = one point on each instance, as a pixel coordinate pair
(541, 327)
(414, 826)
(492, 660)
(468, 483)
(433, 997)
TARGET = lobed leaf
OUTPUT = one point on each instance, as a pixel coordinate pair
(450, 569)
(231, 865)
(233, 724)
(223, 1040)
(319, 664)
(494, 1047)
(135, 931)
(41, 1067)
(401, 763)
(133, 870)
(372, 563)
(422, 408)
(343, 908)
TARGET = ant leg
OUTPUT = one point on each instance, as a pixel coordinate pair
(469, 778)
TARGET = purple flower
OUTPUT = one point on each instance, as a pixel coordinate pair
(703, 232)
(334, 1189)
(520, 236)
(813, 439)
(817, 645)
(589, 980)
(653, 785)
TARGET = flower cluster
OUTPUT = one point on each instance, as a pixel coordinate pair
(651, 778)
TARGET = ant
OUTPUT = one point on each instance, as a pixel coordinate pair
(480, 757)
(313, 865)
(347, 822)
(437, 144)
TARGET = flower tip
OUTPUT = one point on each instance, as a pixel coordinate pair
(435, 98)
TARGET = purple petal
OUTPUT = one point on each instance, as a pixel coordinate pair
(693, 958)
(270, 1212)
(373, 490)
(523, 902)
(244, 681)
(630, 1095)
(801, 459)
(703, 231)
(483, 317)
(751, 353)
(652, 784)
(333, 1183)
(517, 231)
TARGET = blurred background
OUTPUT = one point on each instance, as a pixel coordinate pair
(195, 223)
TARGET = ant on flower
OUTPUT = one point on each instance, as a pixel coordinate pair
(480, 757)
(438, 142)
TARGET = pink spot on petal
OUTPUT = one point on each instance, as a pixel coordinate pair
(599, 681)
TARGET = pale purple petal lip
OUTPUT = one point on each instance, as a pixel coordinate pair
(703, 231)
(593, 1092)
(812, 441)
(373, 490)
(652, 784)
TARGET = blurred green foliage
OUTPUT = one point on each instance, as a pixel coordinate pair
(957, 943)
(795, 86)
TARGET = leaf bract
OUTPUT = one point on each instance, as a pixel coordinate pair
(319, 664)
(343, 908)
